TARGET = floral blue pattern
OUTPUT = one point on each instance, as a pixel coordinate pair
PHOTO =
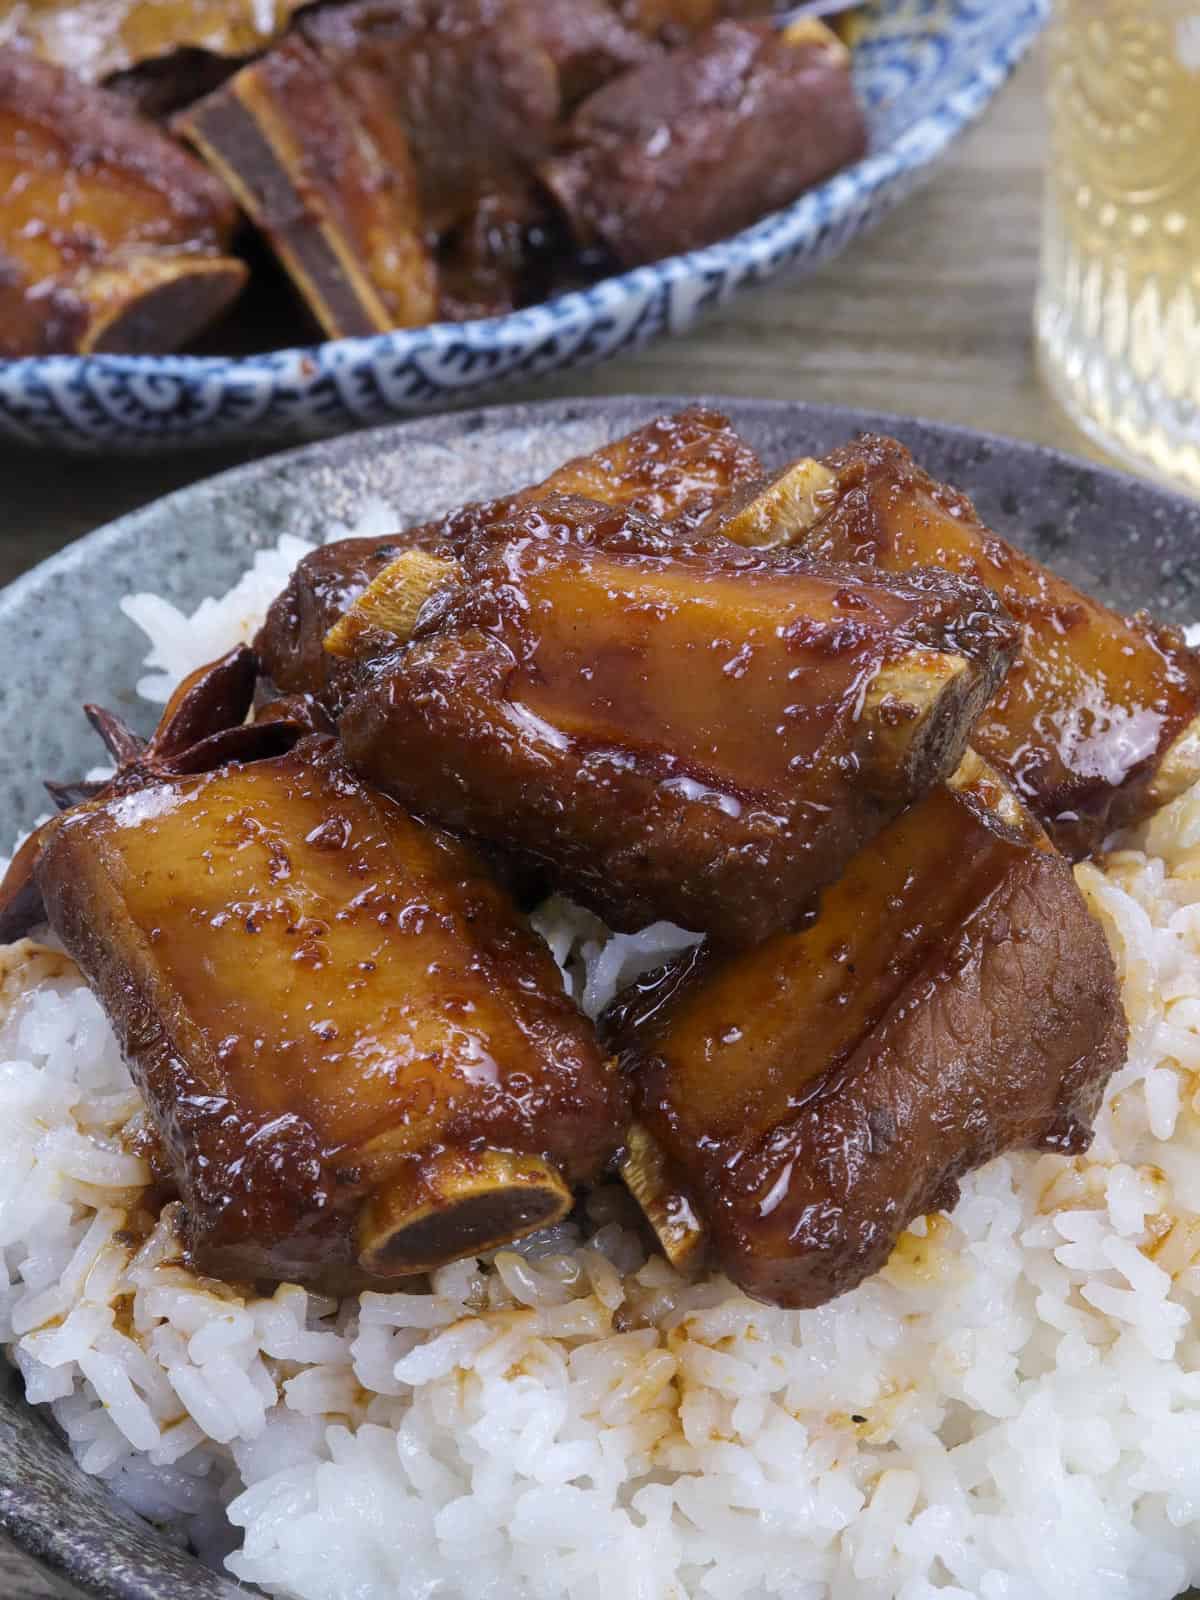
(925, 68)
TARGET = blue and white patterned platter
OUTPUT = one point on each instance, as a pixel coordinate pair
(925, 69)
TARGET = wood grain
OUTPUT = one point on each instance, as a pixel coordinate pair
(929, 316)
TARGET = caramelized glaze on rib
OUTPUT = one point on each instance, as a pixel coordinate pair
(340, 1022)
(470, 83)
(699, 733)
(705, 140)
(112, 238)
(331, 183)
(677, 469)
(812, 1096)
(1094, 700)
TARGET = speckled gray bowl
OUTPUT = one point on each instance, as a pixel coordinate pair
(64, 641)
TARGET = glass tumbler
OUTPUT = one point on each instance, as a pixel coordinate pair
(1118, 309)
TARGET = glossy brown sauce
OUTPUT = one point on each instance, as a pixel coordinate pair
(88, 189)
(818, 1092)
(746, 679)
(331, 182)
(705, 139)
(317, 993)
(676, 469)
(1094, 699)
(673, 729)
(359, 1060)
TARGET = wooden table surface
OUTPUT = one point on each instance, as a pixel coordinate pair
(930, 315)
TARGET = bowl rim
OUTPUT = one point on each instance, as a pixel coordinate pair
(921, 144)
(332, 453)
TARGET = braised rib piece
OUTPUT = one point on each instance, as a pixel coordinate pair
(96, 38)
(706, 140)
(359, 1059)
(202, 724)
(470, 82)
(704, 734)
(802, 1102)
(588, 43)
(374, 131)
(675, 469)
(111, 237)
(331, 183)
(1096, 723)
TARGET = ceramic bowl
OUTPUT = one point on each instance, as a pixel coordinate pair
(65, 641)
(925, 68)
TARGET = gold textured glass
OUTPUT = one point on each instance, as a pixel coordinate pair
(1118, 313)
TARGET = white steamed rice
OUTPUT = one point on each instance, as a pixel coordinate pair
(1009, 1411)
